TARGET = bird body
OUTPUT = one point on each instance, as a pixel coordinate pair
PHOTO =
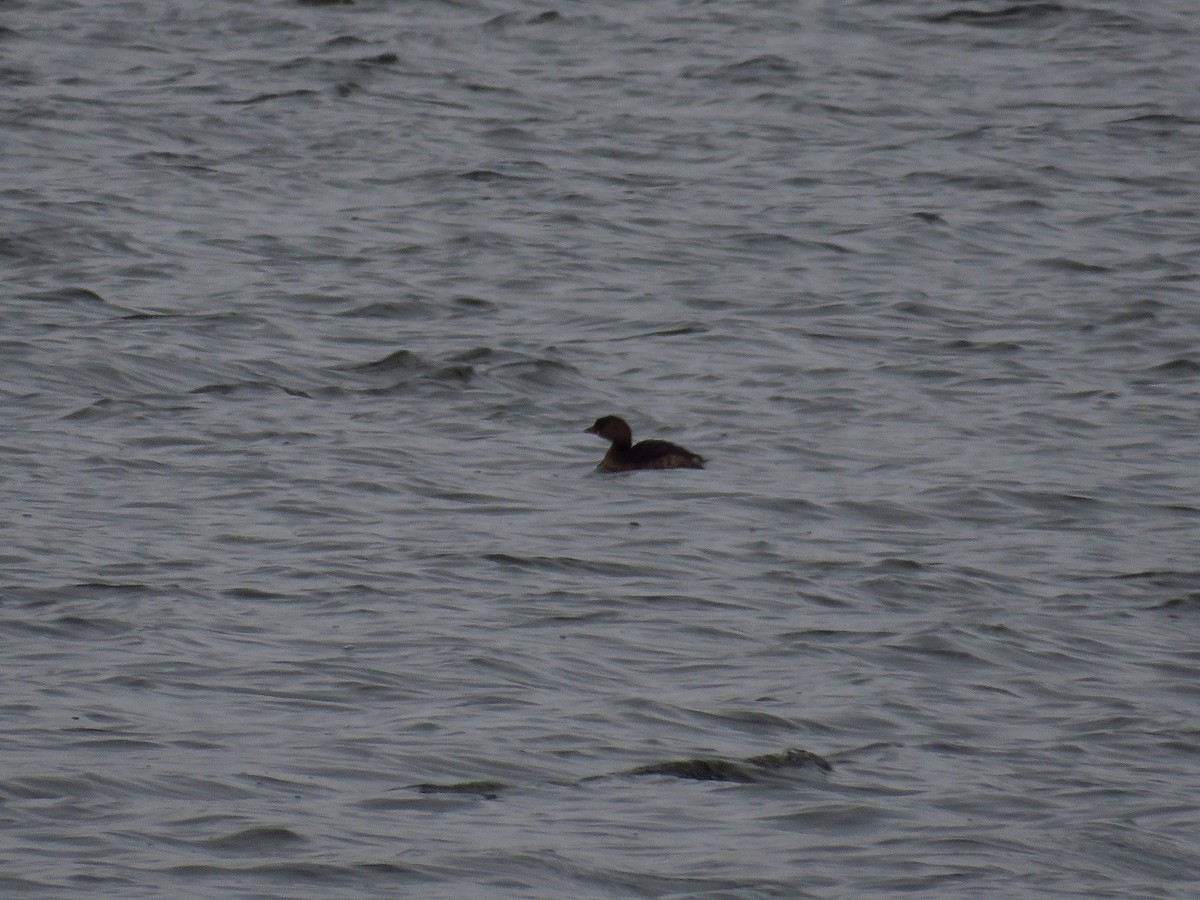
(626, 456)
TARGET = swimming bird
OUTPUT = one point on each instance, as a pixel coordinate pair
(625, 456)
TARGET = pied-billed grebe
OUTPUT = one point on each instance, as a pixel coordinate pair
(625, 456)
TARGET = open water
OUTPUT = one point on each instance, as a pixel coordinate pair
(309, 588)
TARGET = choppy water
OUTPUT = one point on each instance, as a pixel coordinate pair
(309, 588)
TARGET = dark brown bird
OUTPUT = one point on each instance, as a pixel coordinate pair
(625, 456)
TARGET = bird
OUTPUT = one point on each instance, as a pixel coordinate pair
(626, 456)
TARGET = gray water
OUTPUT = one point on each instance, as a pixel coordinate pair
(310, 588)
